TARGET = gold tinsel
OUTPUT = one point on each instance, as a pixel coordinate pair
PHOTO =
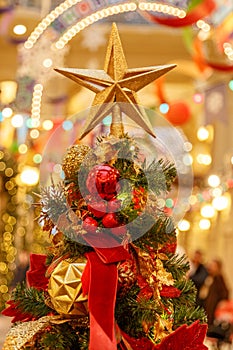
(65, 288)
(23, 333)
(73, 159)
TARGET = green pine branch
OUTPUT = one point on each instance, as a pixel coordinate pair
(75, 249)
(30, 300)
(159, 175)
(177, 265)
(188, 315)
(130, 312)
(160, 231)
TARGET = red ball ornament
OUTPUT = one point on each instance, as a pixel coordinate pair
(110, 220)
(178, 113)
(90, 224)
(98, 209)
(102, 181)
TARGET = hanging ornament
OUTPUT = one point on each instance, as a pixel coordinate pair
(65, 288)
(73, 159)
(102, 181)
(178, 113)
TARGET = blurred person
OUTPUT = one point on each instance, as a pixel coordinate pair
(213, 290)
(198, 272)
(21, 268)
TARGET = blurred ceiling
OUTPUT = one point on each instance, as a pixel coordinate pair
(145, 43)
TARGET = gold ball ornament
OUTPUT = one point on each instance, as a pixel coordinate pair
(73, 159)
(65, 288)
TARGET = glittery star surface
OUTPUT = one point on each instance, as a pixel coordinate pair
(116, 84)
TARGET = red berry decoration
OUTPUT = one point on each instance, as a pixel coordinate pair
(98, 209)
(102, 181)
(90, 224)
(110, 220)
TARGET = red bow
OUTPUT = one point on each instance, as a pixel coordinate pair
(99, 281)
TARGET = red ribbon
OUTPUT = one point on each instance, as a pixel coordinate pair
(220, 67)
(200, 11)
(99, 281)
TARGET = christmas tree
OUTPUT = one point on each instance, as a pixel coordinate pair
(111, 278)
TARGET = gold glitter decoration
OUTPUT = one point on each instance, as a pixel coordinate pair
(65, 288)
(163, 277)
(162, 327)
(23, 333)
(73, 159)
(116, 84)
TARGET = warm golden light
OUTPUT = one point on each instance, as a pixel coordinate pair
(204, 224)
(8, 91)
(214, 180)
(208, 211)
(23, 148)
(7, 112)
(184, 225)
(220, 203)
(19, 29)
(17, 121)
(202, 133)
(29, 176)
(204, 159)
(47, 124)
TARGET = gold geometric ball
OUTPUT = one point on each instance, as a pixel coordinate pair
(73, 159)
(65, 288)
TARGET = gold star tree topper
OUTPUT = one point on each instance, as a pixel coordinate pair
(115, 87)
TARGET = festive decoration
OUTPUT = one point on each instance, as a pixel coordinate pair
(178, 113)
(203, 9)
(22, 334)
(114, 280)
(116, 83)
(65, 288)
(73, 159)
(102, 181)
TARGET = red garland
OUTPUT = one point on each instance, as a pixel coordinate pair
(200, 11)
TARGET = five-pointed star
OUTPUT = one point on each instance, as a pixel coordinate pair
(116, 84)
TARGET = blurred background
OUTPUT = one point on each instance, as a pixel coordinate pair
(196, 98)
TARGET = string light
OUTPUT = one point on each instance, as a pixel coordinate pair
(43, 25)
(162, 8)
(228, 50)
(94, 17)
(36, 106)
